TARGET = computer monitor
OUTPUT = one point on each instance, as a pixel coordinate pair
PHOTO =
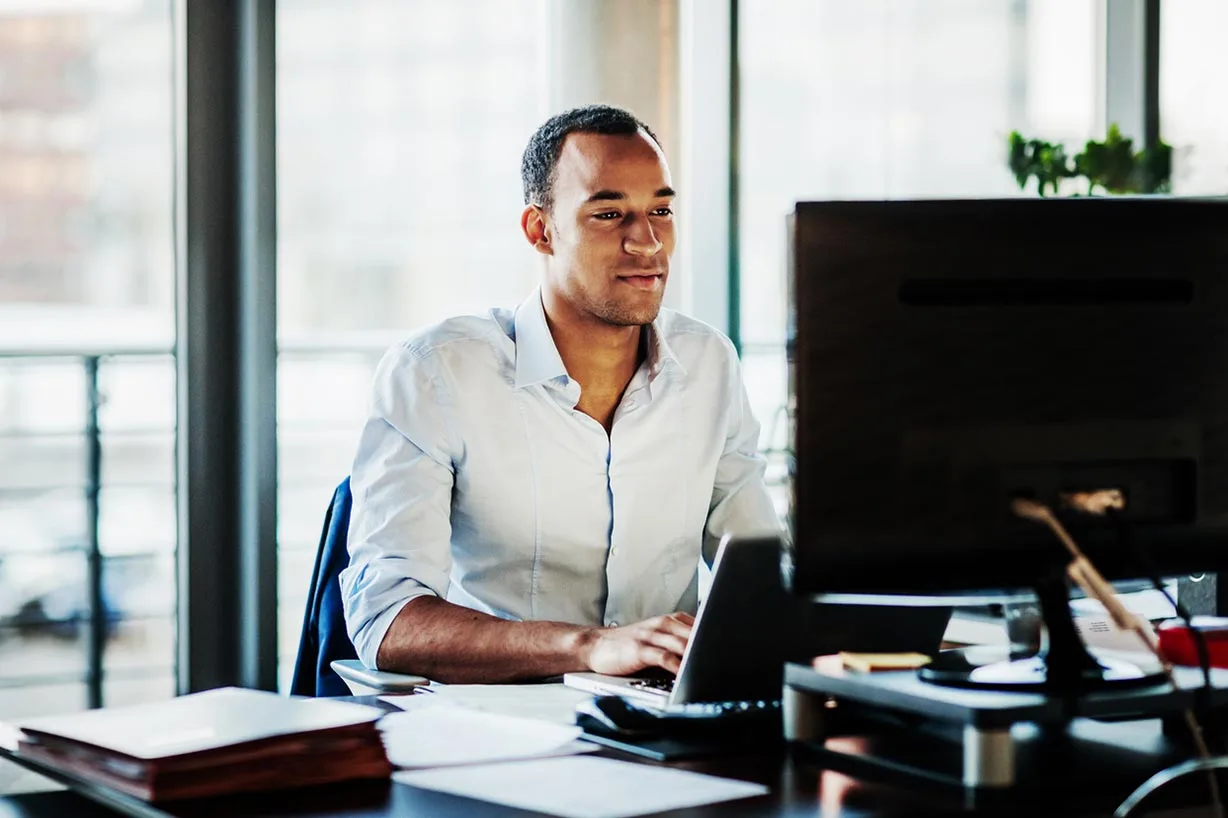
(946, 357)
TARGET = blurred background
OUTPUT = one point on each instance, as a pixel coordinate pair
(399, 129)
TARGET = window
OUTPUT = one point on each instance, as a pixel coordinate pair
(1193, 72)
(888, 99)
(400, 129)
(86, 331)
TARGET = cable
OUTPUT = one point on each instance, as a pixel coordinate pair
(1208, 765)
(1085, 575)
(1203, 695)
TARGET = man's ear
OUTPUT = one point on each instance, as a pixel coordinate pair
(536, 229)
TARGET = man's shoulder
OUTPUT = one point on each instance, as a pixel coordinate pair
(492, 330)
(465, 337)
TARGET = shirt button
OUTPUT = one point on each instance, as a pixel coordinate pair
(630, 404)
(613, 624)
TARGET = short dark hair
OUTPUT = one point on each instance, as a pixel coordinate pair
(541, 157)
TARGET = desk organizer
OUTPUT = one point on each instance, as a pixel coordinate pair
(982, 739)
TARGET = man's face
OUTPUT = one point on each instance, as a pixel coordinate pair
(610, 230)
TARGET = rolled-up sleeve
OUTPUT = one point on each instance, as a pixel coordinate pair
(400, 524)
(740, 500)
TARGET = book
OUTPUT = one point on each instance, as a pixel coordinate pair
(213, 743)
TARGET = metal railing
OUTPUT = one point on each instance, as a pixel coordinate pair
(96, 643)
(355, 355)
(96, 615)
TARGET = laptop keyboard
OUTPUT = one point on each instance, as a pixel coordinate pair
(705, 710)
(727, 711)
(663, 685)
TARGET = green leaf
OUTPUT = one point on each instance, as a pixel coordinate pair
(1110, 166)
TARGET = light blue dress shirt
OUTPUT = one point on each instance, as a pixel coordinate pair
(478, 481)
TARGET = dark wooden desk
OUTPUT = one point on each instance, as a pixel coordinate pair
(798, 788)
(799, 781)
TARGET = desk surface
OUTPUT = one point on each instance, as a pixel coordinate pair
(799, 782)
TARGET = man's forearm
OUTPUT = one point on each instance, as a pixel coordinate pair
(449, 643)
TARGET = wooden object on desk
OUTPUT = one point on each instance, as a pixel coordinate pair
(799, 781)
(871, 662)
(220, 741)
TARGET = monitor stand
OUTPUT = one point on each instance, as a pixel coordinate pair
(1063, 665)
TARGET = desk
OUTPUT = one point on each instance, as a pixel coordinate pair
(800, 786)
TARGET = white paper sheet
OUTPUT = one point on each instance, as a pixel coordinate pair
(9, 736)
(445, 734)
(582, 787)
(548, 702)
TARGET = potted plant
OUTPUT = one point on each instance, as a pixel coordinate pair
(1111, 166)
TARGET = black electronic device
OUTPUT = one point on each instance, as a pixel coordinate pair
(615, 715)
(749, 626)
(946, 357)
(690, 731)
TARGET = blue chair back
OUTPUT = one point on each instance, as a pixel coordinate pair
(324, 638)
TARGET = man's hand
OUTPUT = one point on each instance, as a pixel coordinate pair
(657, 642)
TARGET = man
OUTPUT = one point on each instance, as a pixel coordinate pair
(534, 489)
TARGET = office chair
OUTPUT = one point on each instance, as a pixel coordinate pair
(327, 664)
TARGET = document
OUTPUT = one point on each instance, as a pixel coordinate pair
(548, 702)
(9, 736)
(1149, 604)
(582, 787)
(445, 734)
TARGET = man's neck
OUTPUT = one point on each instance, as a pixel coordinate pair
(602, 357)
(592, 350)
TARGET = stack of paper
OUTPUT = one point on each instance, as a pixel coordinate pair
(549, 702)
(441, 734)
(220, 741)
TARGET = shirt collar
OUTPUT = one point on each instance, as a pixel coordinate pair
(660, 353)
(537, 357)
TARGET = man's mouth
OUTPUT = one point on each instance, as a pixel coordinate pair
(647, 281)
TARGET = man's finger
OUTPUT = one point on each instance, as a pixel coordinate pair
(659, 657)
(669, 641)
(671, 624)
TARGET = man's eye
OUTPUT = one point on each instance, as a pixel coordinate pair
(608, 215)
(663, 211)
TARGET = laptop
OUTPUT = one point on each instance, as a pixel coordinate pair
(749, 626)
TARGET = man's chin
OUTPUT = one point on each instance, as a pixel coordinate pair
(619, 309)
(631, 315)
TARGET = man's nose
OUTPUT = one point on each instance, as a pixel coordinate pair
(640, 239)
